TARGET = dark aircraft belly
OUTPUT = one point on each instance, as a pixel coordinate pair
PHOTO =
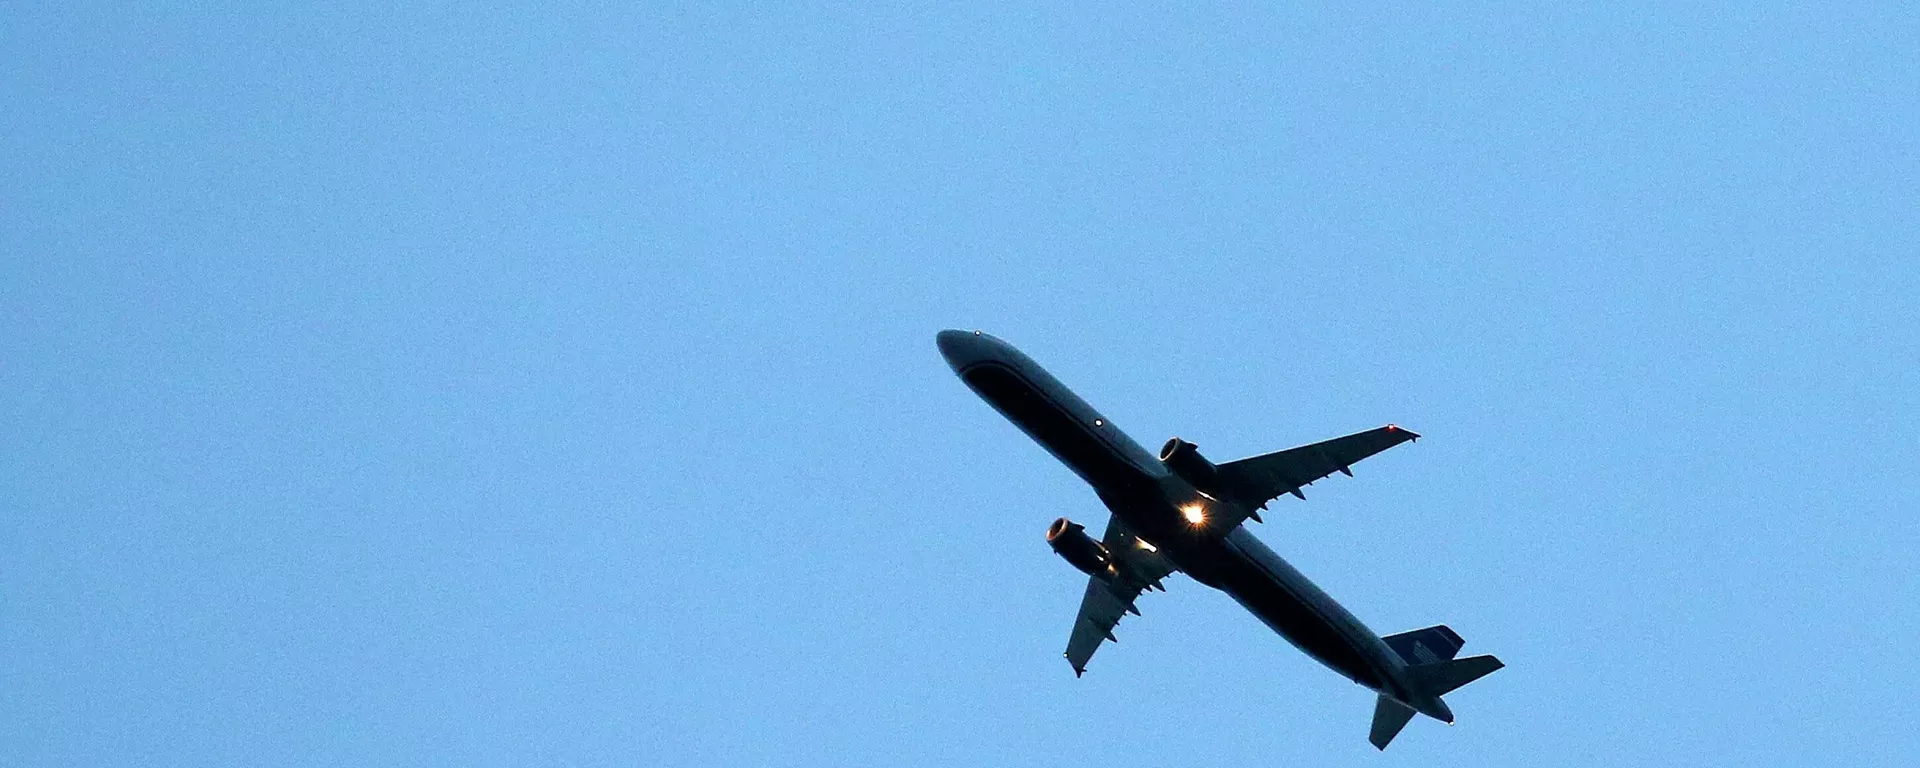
(1053, 426)
(1285, 601)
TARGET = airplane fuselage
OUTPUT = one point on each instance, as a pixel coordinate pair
(1140, 490)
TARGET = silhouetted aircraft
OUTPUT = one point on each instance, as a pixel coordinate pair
(1181, 512)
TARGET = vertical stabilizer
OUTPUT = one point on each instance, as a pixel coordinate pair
(1432, 645)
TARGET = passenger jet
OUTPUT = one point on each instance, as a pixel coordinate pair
(1181, 512)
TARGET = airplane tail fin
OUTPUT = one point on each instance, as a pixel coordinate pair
(1430, 653)
(1389, 717)
(1426, 646)
(1435, 672)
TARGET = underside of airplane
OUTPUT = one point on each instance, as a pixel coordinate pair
(1177, 511)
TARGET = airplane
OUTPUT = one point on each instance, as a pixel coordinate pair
(1181, 512)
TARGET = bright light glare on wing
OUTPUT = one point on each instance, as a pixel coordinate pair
(1147, 546)
(1194, 513)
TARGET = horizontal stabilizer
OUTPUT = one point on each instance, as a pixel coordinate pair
(1439, 679)
(1389, 717)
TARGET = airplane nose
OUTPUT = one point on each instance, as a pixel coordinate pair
(961, 348)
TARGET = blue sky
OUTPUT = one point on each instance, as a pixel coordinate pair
(497, 385)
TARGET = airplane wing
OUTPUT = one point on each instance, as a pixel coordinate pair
(1107, 600)
(1260, 479)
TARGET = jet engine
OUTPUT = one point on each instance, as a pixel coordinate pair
(1070, 541)
(1184, 460)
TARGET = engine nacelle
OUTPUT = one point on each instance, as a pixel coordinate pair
(1183, 459)
(1070, 541)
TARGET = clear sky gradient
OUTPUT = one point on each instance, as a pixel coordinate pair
(545, 384)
